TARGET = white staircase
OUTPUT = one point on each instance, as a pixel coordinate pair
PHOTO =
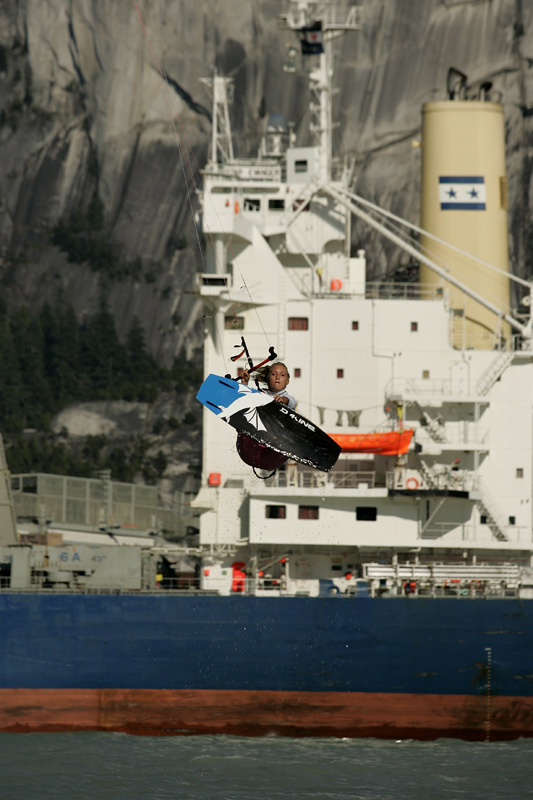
(494, 371)
(487, 507)
(458, 332)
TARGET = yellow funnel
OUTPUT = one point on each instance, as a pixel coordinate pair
(464, 202)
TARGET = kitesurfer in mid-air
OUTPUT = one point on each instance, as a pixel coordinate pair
(276, 378)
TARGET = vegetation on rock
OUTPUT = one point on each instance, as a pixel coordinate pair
(48, 361)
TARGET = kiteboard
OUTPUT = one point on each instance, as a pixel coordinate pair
(268, 422)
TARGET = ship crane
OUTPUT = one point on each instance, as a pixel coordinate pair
(524, 330)
(526, 301)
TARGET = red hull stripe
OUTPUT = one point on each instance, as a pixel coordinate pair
(249, 713)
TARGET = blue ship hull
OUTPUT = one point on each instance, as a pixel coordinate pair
(468, 659)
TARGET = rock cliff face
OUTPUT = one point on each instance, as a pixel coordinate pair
(85, 112)
(84, 108)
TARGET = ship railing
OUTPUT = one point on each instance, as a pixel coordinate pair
(352, 480)
(84, 502)
(445, 580)
(443, 571)
(515, 534)
(41, 581)
(463, 433)
(426, 388)
(389, 290)
(407, 582)
(411, 582)
(498, 340)
(470, 589)
(455, 480)
(433, 479)
(439, 529)
(463, 339)
(309, 479)
(342, 17)
(106, 591)
(378, 290)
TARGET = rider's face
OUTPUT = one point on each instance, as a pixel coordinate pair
(277, 378)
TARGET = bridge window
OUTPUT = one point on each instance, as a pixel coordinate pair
(275, 512)
(232, 323)
(276, 205)
(307, 512)
(252, 204)
(298, 324)
(366, 513)
(300, 166)
(214, 280)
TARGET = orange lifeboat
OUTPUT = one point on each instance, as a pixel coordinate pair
(391, 443)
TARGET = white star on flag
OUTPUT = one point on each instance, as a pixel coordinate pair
(462, 193)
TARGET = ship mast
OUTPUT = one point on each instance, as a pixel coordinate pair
(222, 94)
(317, 24)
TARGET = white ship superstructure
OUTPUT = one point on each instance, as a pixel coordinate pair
(455, 511)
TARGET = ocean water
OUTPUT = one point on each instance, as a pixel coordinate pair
(113, 766)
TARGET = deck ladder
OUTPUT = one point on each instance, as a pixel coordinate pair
(489, 509)
(494, 371)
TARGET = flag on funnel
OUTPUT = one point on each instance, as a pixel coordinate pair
(463, 193)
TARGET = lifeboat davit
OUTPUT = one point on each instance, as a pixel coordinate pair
(391, 443)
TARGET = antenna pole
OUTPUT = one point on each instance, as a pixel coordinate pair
(316, 25)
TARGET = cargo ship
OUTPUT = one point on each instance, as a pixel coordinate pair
(391, 596)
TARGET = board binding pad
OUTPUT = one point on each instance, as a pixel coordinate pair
(273, 424)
